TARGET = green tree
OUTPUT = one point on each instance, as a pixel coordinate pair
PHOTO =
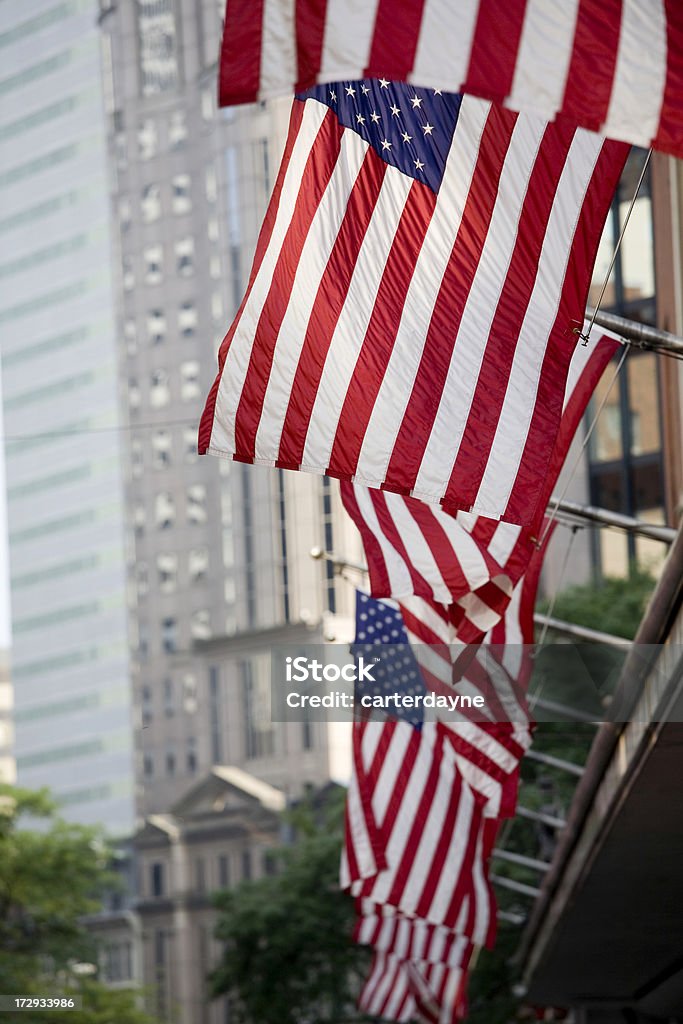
(288, 951)
(49, 878)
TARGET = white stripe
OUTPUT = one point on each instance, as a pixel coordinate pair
(502, 544)
(640, 73)
(442, 56)
(394, 393)
(543, 57)
(311, 268)
(419, 551)
(349, 28)
(454, 856)
(390, 771)
(520, 397)
(480, 310)
(278, 47)
(467, 551)
(352, 325)
(237, 359)
(396, 567)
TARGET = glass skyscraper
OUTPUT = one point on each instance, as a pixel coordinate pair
(70, 659)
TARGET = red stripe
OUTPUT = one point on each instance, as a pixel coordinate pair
(669, 135)
(491, 388)
(327, 307)
(484, 530)
(593, 63)
(239, 76)
(441, 337)
(380, 585)
(493, 53)
(441, 548)
(412, 842)
(381, 333)
(530, 479)
(575, 408)
(438, 862)
(319, 168)
(206, 423)
(394, 40)
(310, 31)
(393, 535)
(460, 891)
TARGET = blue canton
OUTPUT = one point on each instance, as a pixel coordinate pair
(378, 625)
(411, 129)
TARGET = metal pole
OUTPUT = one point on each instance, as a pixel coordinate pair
(510, 918)
(573, 714)
(518, 858)
(594, 636)
(640, 335)
(545, 819)
(554, 762)
(520, 887)
(666, 534)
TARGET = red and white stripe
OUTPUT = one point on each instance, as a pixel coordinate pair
(614, 67)
(410, 938)
(467, 562)
(427, 817)
(324, 368)
(403, 991)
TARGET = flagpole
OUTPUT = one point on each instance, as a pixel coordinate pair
(640, 335)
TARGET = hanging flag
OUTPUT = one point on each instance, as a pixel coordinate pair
(614, 68)
(402, 990)
(466, 562)
(410, 315)
(409, 938)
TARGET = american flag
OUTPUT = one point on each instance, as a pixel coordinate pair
(467, 562)
(583, 59)
(403, 990)
(409, 318)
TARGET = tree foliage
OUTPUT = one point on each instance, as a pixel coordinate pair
(49, 878)
(288, 951)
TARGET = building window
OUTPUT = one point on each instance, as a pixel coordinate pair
(148, 766)
(190, 443)
(134, 395)
(150, 203)
(141, 578)
(181, 200)
(259, 735)
(246, 865)
(159, 390)
(158, 46)
(139, 517)
(189, 696)
(187, 319)
(184, 252)
(156, 326)
(167, 571)
(147, 140)
(223, 871)
(269, 863)
(328, 541)
(200, 624)
(169, 703)
(170, 763)
(215, 714)
(130, 333)
(198, 564)
(168, 635)
(177, 129)
(146, 705)
(196, 504)
(127, 274)
(200, 874)
(153, 256)
(136, 457)
(189, 380)
(161, 449)
(157, 879)
(164, 510)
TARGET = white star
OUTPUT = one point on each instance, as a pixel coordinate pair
(350, 91)
(333, 96)
(428, 128)
(437, 92)
(385, 145)
(419, 165)
(374, 116)
(395, 110)
(364, 89)
(416, 101)
(406, 137)
(384, 83)
(360, 119)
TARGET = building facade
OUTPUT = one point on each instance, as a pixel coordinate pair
(72, 695)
